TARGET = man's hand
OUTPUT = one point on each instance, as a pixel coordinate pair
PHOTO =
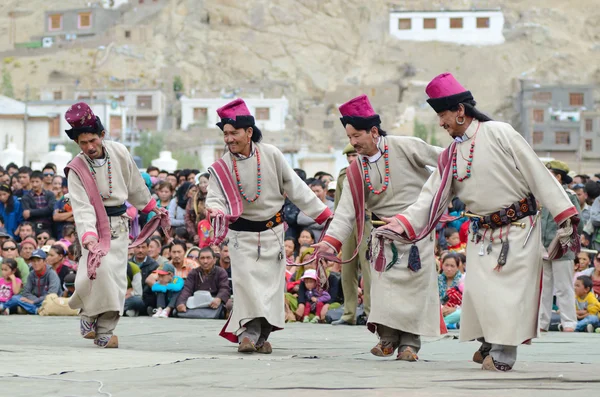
(25, 300)
(90, 243)
(160, 211)
(26, 214)
(313, 299)
(393, 224)
(447, 310)
(212, 212)
(128, 294)
(323, 247)
(181, 308)
(215, 303)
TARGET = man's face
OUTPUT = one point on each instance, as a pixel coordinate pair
(38, 264)
(225, 258)
(236, 139)
(153, 173)
(207, 261)
(319, 192)
(141, 252)
(191, 177)
(26, 251)
(581, 196)
(172, 180)
(447, 120)
(24, 179)
(48, 175)
(351, 157)
(11, 171)
(25, 231)
(177, 254)
(326, 179)
(580, 289)
(5, 179)
(162, 175)
(364, 143)
(578, 181)
(36, 185)
(91, 144)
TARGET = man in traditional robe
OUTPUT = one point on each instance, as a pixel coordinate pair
(387, 179)
(101, 178)
(493, 170)
(246, 194)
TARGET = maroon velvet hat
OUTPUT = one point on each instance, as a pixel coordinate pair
(237, 114)
(445, 92)
(82, 119)
(359, 113)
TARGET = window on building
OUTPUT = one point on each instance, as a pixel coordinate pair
(538, 115)
(55, 22)
(544, 96)
(589, 125)
(589, 145)
(128, 34)
(404, 24)
(429, 23)
(84, 20)
(483, 23)
(328, 124)
(576, 99)
(456, 23)
(201, 116)
(262, 114)
(538, 137)
(57, 95)
(562, 138)
(55, 127)
(144, 102)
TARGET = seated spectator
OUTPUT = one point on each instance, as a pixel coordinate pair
(154, 248)
(586, 305)
(27, 247)
(167, 289)
(320, 190)
(178, 204)
(165, 251)
(42, 238)
(10, 283)
(69, 285)
(582, 262)
(3, 235)
(10, 251)
(25, 230)
(10, 210)
(450, 290)
(315, 299)
(182, 269)
(594, 274)
(290, 250)
(207, 277)
(68, 236)
(147, 265)
(38, 204)
(453, 240)
(62, 216)
(41, 282)
(134, 304)
(192, 257)
(57, 258)
(23, 185)
(225, 259)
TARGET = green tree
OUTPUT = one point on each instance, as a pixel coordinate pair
(150, 146)
(7, 85)
(420, 130)
(187, 160)
(177, 84)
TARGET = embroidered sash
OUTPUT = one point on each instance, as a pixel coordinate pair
(221, 222)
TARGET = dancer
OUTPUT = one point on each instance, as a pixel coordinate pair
(246, 192)
(101, 178)
(394, 170)
(493, 170)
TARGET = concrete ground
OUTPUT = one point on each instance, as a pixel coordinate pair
(44, 356)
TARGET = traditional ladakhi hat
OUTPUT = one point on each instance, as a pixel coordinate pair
(82, 120)
(561, 168)
(237, 114)
(445, 92)
(359, 113)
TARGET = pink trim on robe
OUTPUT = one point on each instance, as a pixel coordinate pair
(86, 234)
(407, 226)
(149, 207)
(568, 213)
(335, 243)
(326, 214)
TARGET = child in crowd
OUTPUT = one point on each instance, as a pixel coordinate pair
(315, 299)
(453, 240)
(69, 285)
(586, 304)
(167, 289)
(582, 262)
(10, 283)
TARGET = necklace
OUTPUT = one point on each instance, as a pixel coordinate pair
(239, 182)
(93, 171)
(469, 160)
(386, 180)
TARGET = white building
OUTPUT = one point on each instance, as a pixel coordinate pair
(28, 134)
(470, 27)
(269, 113)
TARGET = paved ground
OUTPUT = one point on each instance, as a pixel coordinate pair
(44, 356)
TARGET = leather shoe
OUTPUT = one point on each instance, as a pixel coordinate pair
(341, 322)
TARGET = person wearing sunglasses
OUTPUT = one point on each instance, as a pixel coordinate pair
(48, 172)
(9, 250)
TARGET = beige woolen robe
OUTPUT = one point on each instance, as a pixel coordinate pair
(501, 306)
(400, 298)
(107, 292)
(259, 282)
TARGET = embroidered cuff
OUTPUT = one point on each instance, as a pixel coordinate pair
(326, 214)
(410, 232)
(333, 243)
(149, 207)
(566, 214)
(87, 235)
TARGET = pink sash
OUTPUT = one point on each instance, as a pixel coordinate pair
(221, 222)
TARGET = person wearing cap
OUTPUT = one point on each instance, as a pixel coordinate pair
(105, 167)
(167, 288)
(354, 265)
(250, 184)
(558, 274)
(499, 178)
(42, 281)
(316, 298)
(385, 179)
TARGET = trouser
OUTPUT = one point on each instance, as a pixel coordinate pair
(501, 353)
(583, 323)
(257, 330)
(350, 275)
(15, 301)
(318, 308)
(105, 323)
(135, 303)
(558, 276)
(453, 318)
(166, 299)
(399, 338)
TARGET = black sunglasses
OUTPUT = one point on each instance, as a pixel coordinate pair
(9, 248)
(48, 173)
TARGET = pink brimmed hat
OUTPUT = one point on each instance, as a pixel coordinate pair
(82, 119)
(445, 93)
(237, 114)
(359, 113)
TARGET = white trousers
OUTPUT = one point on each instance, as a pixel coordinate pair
(558, 280)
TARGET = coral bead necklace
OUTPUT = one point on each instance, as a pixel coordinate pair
(239, 182)
(93, 171)
(469, 160)
(386, 179)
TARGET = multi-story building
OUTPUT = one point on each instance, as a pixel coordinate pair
(590, 135)
(470, 27)
(77, 23)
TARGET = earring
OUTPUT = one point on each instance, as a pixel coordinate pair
(460, 122)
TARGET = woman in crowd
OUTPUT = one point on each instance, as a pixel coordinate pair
(42, 238)
(26, 249)
(154, 251)
(10, 251)
(195, 209)
(450, 288)
(594, 273)
(57, 187)
(10, 210)
(178, 205)
(57, 258)
(164, 190)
